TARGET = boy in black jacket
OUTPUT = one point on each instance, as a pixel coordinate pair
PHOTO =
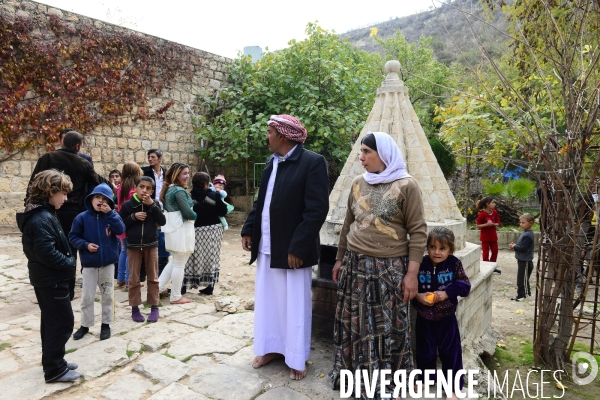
(51, 267)
(142, 217)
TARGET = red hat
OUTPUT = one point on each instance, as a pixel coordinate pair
(220, 179)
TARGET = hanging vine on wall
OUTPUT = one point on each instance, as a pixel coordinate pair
(64, 75)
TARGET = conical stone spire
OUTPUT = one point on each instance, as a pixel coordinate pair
(394, 114)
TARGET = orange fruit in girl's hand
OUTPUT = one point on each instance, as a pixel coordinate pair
(430, 297)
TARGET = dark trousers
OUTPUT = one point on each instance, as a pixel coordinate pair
(56, 327)
(486, 248)
(523, 273)
(439, 338)
(163, 254)
(162, 263)
(66, 215)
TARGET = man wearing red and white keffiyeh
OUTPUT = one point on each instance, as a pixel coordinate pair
(282, 234)
(289, 127)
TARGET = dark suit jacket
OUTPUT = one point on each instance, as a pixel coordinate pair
(148, 171)
(86, 157)
(299, 206)
(88, 187)
(79, 170)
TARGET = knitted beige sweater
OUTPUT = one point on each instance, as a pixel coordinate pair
(380, 218)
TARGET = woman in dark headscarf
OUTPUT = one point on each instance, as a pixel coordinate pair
(377, 264)
(202, 268)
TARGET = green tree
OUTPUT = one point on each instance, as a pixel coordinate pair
(478, 135)
(444, 156)
(324, 81)
(556, 59)
(426, 78)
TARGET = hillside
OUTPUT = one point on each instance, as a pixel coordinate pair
(450, 25)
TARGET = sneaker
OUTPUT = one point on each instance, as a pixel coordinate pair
(518, 299)
(70, 376)
(80, 333)
(72, 365)
(497, 271)
(104, 332)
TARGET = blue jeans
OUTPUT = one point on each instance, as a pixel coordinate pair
(123, 271)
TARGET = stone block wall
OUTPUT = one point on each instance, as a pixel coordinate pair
(474, 312)
(112, 146)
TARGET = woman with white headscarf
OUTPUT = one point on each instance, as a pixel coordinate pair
(377, 264)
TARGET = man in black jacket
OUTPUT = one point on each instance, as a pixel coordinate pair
(61, 137)
(88, 187)
(79, 170)
(157, 173)
(282, 233)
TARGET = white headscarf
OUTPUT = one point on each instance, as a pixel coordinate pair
(388, 151)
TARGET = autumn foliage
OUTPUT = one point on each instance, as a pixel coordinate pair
(74, 75)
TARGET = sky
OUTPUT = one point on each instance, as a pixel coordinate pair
(225, 27)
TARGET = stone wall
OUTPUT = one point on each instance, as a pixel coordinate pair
(111, 146)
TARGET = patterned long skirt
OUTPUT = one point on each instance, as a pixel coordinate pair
(202, 268)
(372, 324)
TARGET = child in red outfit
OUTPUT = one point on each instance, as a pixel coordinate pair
(487, 221)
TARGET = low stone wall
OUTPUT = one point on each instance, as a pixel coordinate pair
(504, 238)
(474, 313)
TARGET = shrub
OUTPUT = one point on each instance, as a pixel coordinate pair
(444, 156)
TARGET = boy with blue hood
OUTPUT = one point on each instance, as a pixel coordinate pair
(94, 234)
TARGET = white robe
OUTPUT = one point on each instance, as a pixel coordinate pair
(282, 303)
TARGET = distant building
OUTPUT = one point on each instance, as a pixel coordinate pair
(253, 51)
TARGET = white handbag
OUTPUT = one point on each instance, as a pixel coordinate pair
(180, 236)
(174, 220)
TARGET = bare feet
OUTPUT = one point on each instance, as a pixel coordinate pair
(297, 375)
(183, 300)
(259, 361)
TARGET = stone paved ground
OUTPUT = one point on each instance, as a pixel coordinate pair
(193, 352)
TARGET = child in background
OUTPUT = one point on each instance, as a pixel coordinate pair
(51, 270)
(115, 177)
(441, 280)
(131, 173)
(219, 184)
(487, 221)
(524, 255)
(94, 234)
(142, 217)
